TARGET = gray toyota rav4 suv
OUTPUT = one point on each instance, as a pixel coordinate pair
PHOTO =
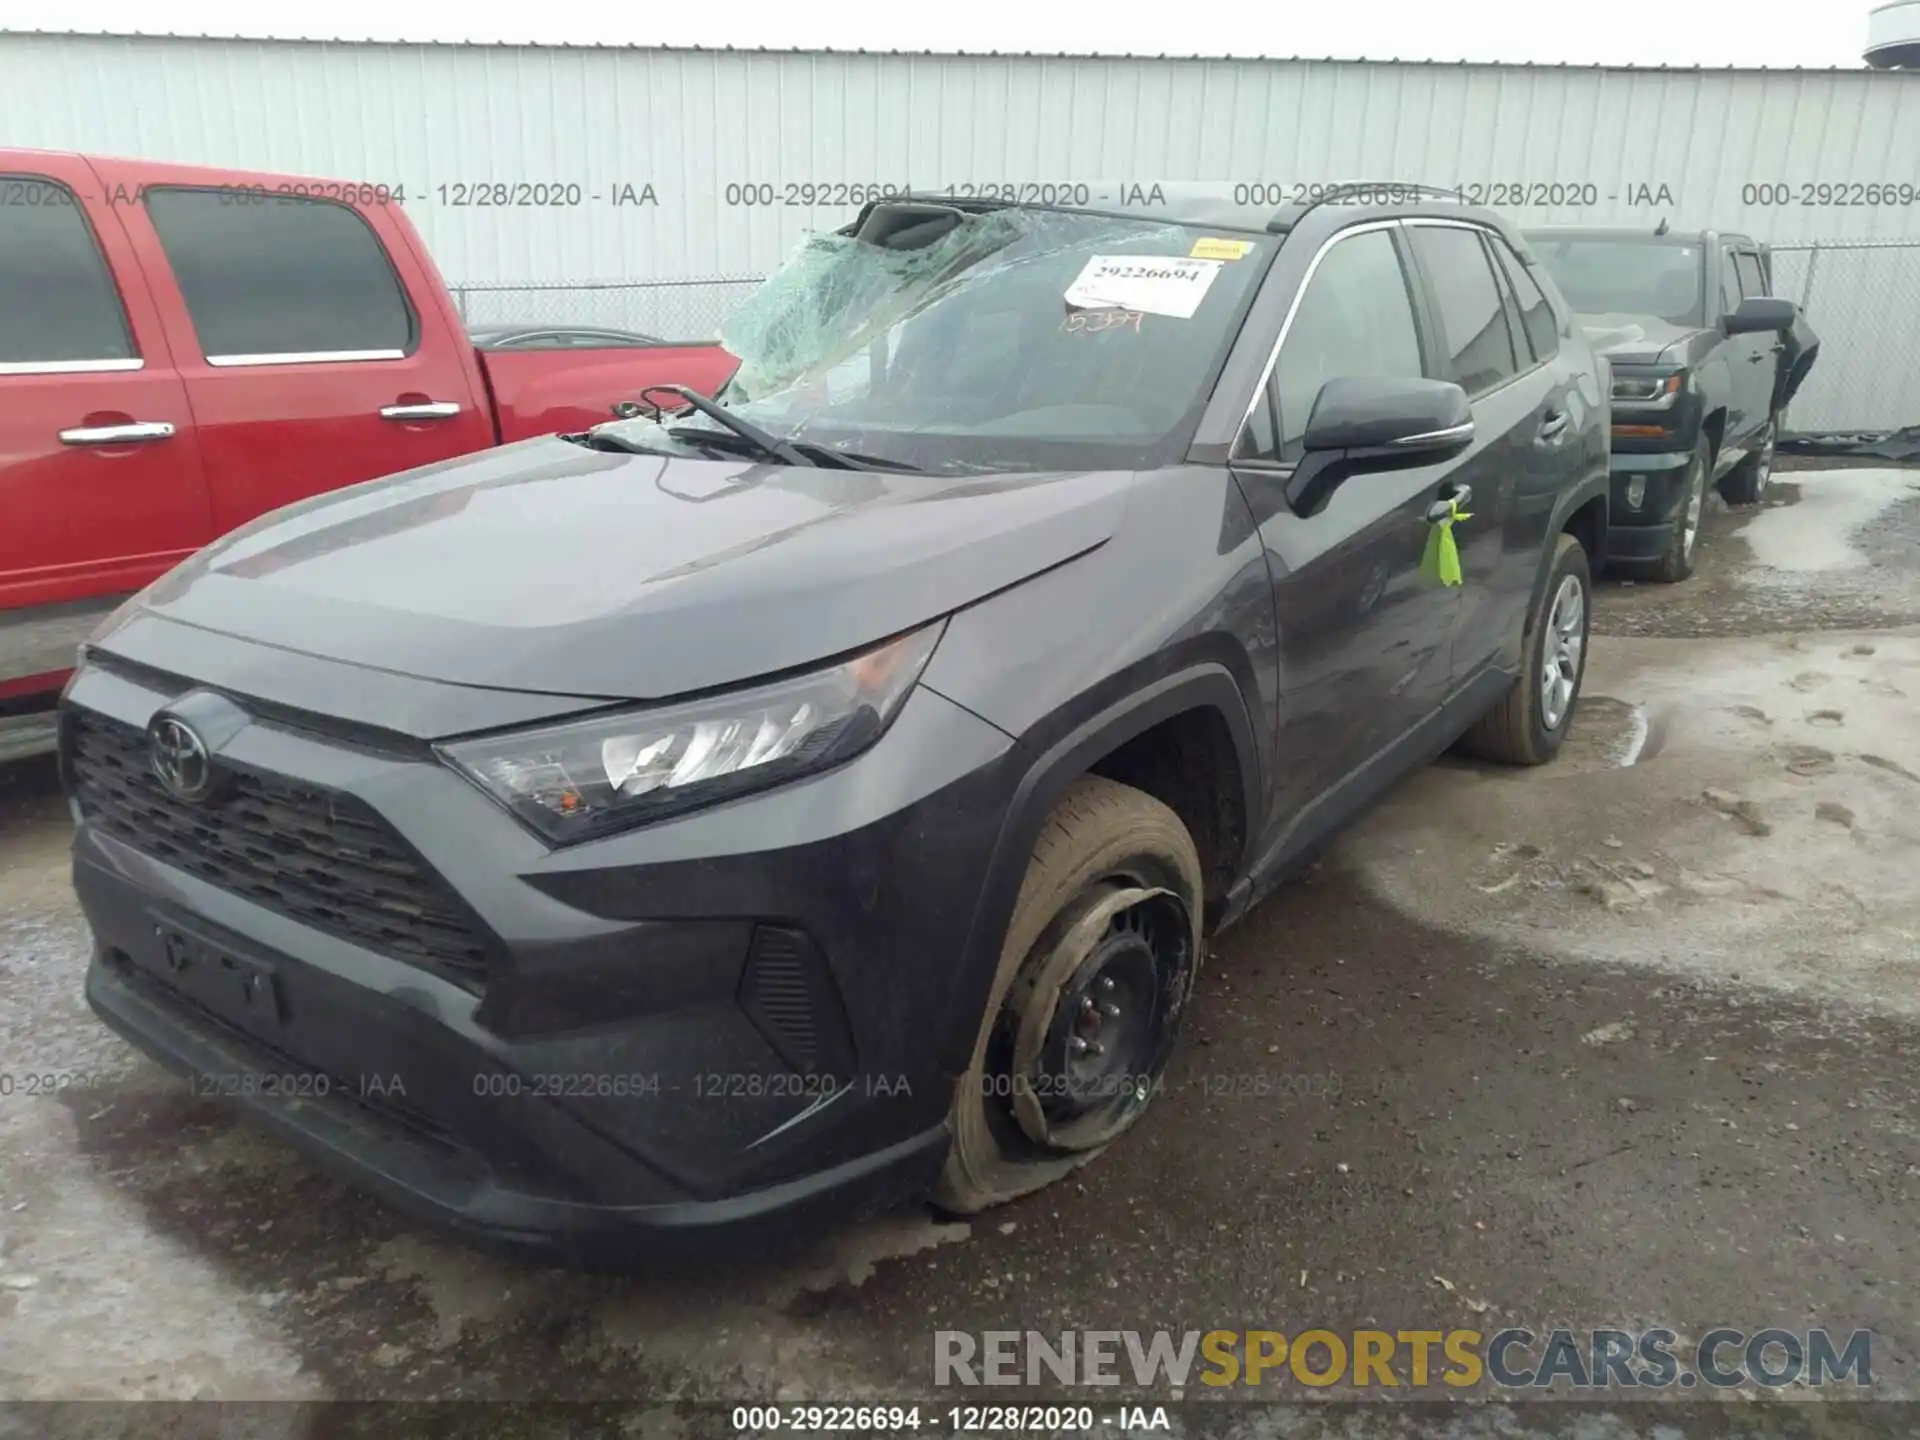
(755, 812)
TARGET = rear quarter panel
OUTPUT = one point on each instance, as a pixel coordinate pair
(540, 392)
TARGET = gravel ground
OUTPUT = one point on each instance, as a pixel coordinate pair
(1627, 1042)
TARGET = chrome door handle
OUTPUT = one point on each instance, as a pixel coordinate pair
(117, 434)
(429, 410)
(1457, 496)
(1553, 426)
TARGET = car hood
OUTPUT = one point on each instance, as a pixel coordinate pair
(549, 567)
(1632, 339)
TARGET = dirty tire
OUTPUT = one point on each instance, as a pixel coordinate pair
(1746, 483)
(1514, 732)
(1678, 561)
(1099, 832)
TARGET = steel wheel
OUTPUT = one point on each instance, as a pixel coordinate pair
(1094, 978)
(1097, 1016)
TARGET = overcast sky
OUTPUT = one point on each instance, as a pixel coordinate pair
(1781, 33)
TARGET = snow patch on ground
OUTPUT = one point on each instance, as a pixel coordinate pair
(1773, 839)
(1818, 534)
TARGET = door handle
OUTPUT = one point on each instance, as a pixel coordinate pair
(1453, 496)
(425, 410)
(117, 434)
(1554, 425)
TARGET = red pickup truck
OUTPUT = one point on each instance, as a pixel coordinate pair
(183, 349)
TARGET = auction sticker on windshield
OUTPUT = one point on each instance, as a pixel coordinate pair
(1155, 284)
(1212, 249)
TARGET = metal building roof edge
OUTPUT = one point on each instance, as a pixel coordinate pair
(369, 41)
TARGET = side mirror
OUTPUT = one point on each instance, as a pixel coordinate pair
(1424, 418)
(1760, 314)
(1371, 422)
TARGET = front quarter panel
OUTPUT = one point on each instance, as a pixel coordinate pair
(1173, 614)
(1706, 354)
(1182, 581)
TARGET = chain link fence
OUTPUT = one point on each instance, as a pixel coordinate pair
(1862, 298)
(674, 310)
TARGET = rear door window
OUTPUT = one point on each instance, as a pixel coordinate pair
(1516, 332)
(1536, 313)
(1752, 282)
(281, 276)
(58, 302)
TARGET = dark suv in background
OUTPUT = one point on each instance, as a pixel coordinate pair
(821, 797)
(1704, 357)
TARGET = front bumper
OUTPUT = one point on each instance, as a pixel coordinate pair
(700, 1038)
(1643, 531)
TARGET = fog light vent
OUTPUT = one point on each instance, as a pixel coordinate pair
(789, 995)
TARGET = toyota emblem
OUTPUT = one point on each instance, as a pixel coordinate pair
(180, 759)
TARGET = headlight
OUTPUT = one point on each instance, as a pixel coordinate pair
(590, 777)
(1647, 392)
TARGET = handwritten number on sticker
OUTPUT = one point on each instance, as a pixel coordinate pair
(1093, 321)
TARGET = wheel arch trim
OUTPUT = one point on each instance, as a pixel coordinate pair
(1207, 685)
(1574, 499)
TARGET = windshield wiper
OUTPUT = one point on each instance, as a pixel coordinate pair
(763, 442)
(811, 452)
(614, 444)
(853, 459)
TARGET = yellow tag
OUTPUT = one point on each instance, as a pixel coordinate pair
(1211, 249)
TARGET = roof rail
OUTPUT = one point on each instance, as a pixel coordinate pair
(1351, 187)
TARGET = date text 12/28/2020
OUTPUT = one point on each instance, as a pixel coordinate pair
(1051, 1420)
(1499, 194)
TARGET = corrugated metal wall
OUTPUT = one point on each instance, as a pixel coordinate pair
(726, 140)
(691, 124)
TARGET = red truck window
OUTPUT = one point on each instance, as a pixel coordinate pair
(59, 305)
(276, 277)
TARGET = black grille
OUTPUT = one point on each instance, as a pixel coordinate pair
(314, 855)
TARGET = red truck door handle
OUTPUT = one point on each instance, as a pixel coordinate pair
(117, 434)
(425, 410)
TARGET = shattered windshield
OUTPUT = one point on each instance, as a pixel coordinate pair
(1016, 340)
(1626, 277)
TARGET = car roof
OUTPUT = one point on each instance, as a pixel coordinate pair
(1222, 204)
